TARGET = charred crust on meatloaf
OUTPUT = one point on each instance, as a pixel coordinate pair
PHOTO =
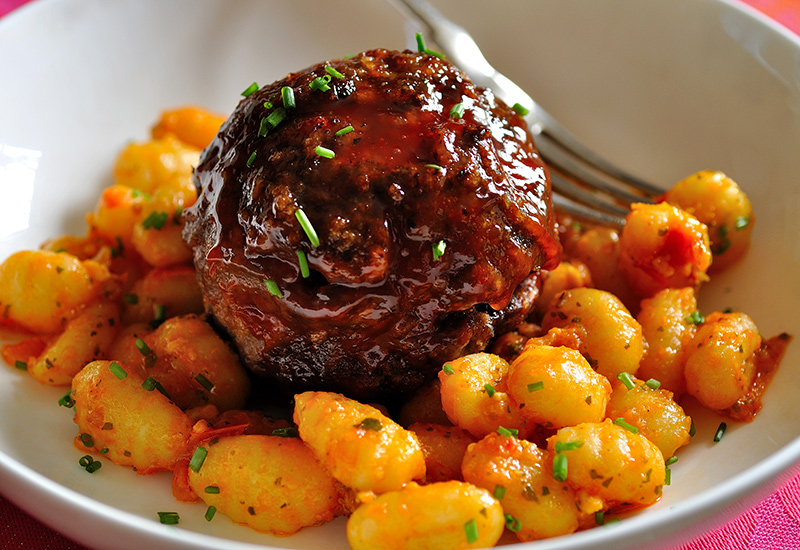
(379, 312)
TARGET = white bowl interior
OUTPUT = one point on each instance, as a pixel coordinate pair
(664, 88)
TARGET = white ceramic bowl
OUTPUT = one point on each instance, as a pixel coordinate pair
(665, 88)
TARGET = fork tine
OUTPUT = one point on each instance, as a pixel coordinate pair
(582, 211)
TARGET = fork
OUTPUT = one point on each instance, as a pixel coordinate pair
(584, 183)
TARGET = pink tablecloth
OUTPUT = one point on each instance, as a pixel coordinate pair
(773, 524)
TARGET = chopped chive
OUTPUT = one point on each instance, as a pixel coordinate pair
(210, 513)
(536, 386)
(263, 128)
(457, 111)
(671, 460)
(621, 422)
(198, 458)
(131, 299)
(21, 365)
(86, 439)
(599, 517)
(251, 159)
(268, 105)
(568, 445)
(205, 382)
(448, 369)
(287, 95)
(211, 490)
(720, 432)
(250, 89)
(117, 370)
(285, 432)
(695, 318)
(273, 288)
(169, 518)
(333, 72)
(305, 272)
(626, 380)
(434, 167)
(438, 250)
(520, 109)
(319, 85)
(276, 117)
(155, 220)
(489, 389)
(149, 383)
(667, 476)
(305, 223)
(143, 348)
(507, 432)
(371, 424)
(499, 492)
(324, 152)
(512, 524)
(471, 530)
(343, 131)
(85, 460)
(653, 384)
(692, 429)
(421, 47)
(67, 400)
(741, 222)
(159, 315)
(560, 468)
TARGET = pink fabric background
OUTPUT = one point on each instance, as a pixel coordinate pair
(773, 524)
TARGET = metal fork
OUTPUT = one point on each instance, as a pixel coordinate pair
(584, 183)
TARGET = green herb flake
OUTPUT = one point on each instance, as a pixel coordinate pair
(671, 460)
(305, 272)
(622, 423)
(520, 109)
(438, 250)
(435, 167)
(305, 223)
(142, 346)
(319, 85)
(448, 369)
(169, 518)
(695, 318)
(512, 524)
(287, 96)
(324, 152)
(507, 432)
(211, 490)
(86, 439)
(536, 386)
(66, 400)
(155, 220)
(471, 530)
(370, 424)
(117, 370)
(568, 445)
(424, 49)
(499, 492)
(251, 159)
(250, 90)
(626, 380)
(285, 432)
(741, 222)
(343, 131)
(198, 458)
(720, 432)
(210, 513)
(205, 382)
(560, 467)
(692, 429)
(21, 365)
(276, 117)
(273, 288)
(333, 72)
(653, 384)
(489, 389)
(457, 111)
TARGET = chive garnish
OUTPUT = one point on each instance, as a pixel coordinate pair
(471, 530)
(117, 370)
(205, 382)
(568, 445)
(507, 432)
(268, 105)
(741, 222)
(448, 369)
(210, 513)
(263, 128)
(211, 490)
(371, 424)
(560, 468)
(692, 429)
(287, 95)
(86, 439)
(307, 227)
(67, 400)
(626, 380)
(159, 315)
(333, 72)
(457, 111)
(695, 318)
(421, 46)
(536, 386)
(653, 384)
(276, 117)
(599, 517)
(143, 348)
(520, 109)
(343, 131)
(273, 288)
(89, 464)
(285, 432)
(512, 524)
(621, 422)
(319, 85)
(324, 152)
(21, 365)
(438, 250)
(250, 89)
(305, 272)
(434, 167)
(499, 492)
(489, 389)
(149, 383)
(169, 518)
(198, 458)
(720, 432)
(251, 159)
(155, 220)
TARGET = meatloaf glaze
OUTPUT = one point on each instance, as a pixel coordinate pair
(431, 222)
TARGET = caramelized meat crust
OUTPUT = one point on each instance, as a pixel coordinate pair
(428, 225)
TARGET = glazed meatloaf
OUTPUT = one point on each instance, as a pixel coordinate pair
(365, 220)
